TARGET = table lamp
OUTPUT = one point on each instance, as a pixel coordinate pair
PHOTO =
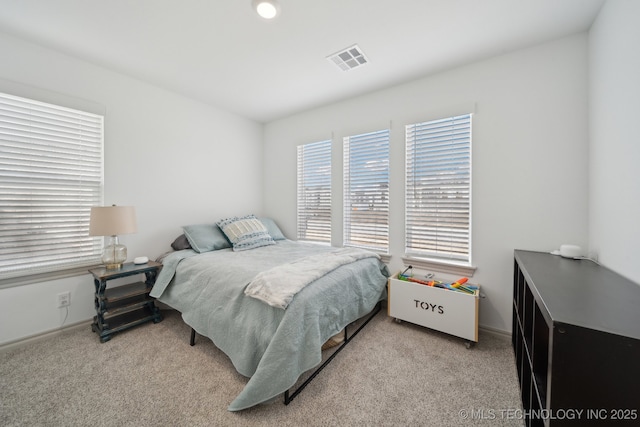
(111, 221)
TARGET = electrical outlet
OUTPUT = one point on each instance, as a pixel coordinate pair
(64, 299)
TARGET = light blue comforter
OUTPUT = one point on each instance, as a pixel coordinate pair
(270, 345)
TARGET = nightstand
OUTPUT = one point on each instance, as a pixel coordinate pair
(122, 307)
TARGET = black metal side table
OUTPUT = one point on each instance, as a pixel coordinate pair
(122, 307)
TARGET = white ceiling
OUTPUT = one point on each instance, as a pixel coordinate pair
(222, 53)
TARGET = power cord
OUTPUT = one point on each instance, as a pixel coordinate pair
(66, 314)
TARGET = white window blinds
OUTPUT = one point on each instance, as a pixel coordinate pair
(366, 191)
(50, 176)
(438, 189)
(314, 192)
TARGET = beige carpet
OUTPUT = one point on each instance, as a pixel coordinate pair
(391, 374)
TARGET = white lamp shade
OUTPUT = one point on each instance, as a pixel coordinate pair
(112, 220)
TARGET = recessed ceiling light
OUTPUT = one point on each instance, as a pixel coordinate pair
(268, 9)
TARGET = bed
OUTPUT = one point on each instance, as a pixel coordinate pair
(270, 344)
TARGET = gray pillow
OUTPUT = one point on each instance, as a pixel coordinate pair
(272, 229)
(205, 237)
(180, 243)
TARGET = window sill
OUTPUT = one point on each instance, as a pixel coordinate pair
(440, 266)
(45, 277)
(385, 258)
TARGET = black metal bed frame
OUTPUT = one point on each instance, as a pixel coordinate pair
(347, 339)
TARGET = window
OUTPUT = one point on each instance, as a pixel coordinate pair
(314, 192)
(366, 191)
(50, 176)
(438, 189)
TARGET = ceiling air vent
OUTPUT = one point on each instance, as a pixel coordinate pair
(349, 58)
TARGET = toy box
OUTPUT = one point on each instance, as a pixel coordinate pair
(444, 310)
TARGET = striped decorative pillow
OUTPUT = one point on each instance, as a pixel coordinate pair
(245, 233)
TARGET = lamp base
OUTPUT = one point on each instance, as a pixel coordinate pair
(113, 266)
(114, 254)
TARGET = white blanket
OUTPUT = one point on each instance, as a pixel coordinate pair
(278, 286)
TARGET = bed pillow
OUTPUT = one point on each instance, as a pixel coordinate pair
(272, 229)
(180, 243)
(205, 237)
(245, 233)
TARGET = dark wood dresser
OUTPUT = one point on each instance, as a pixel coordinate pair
(576, 338)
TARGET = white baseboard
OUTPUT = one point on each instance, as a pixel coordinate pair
(494, 331)
(42, 335)
(87, 323)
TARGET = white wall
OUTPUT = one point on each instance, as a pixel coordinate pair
(529, 156)
(176, 160)
(614, 137)
(529, 159)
